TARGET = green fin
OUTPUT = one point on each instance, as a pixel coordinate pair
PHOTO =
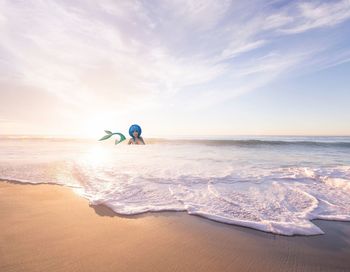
(105, 137)
(110, 134)
(122, 138)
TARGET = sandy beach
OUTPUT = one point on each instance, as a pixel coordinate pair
(49, 228)
(175, 136)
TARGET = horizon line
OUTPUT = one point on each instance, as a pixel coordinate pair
(172, 136)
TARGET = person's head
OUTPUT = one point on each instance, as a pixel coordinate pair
(135, 131)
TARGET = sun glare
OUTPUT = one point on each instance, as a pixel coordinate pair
(95, 125)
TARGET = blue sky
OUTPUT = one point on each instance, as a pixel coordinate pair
(175, 67)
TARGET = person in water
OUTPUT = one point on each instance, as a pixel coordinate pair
(135, 133)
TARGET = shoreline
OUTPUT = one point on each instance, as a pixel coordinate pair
(50, 228)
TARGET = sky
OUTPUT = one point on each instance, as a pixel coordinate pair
(175, 67)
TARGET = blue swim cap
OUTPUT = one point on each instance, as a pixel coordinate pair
(133, 128)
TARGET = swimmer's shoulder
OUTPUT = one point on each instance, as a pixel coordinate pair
(131, 141)
(142, 140)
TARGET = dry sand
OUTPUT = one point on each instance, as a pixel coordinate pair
(49, 228)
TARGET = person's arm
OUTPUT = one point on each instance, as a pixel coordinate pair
(129, 142)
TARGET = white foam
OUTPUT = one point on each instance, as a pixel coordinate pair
(268, 189)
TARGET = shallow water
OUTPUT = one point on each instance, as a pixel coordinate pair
(274, 184)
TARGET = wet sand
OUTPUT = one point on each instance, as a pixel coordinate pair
(49, 228)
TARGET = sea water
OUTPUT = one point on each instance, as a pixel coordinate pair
(273, 184)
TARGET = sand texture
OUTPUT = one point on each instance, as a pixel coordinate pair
(49, 228)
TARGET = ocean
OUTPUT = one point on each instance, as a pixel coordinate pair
(273, 184)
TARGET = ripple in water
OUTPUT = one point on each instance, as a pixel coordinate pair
(276, 188)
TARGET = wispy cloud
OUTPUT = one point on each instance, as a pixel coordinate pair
(94, 56)
(311, 15)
